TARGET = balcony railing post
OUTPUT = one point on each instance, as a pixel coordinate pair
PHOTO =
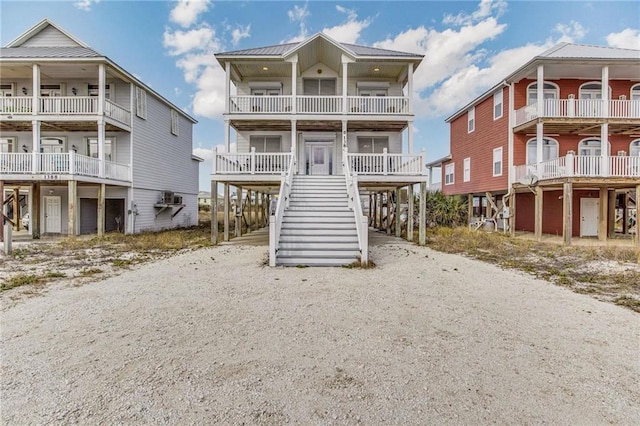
(72, 162)
(34, 162)
(215, 160)
(385, 157)
(253, 160)
(569, 163)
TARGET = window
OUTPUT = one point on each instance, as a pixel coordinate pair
(265, 143)
(50, 90)
(549, 150)
(634, 148)
(497, 104)
(591, 146)
(174, 122)
(551, 91)
(6, 90)
(141, 103)
(319, 87)
(94, 89)
(449, 171)
(109, 147)
(635, 92)
(372, 144)
(52, 145)
(497, 161)
(7, 144)
(466, 177)
(471, 120)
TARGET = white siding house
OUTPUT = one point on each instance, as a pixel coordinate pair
(85, 147)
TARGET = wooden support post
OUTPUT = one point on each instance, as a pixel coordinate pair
(410, 213)
(612, 213)
(538, 213)
(389, 217)
(238, 212)
(214, 212)
(102, 188)
(72, 186)
(16, 208)
(470, 207)
(567, 213)
(603, 216)
(370, 208)
(1, 210)
(512, 214)
(34, 216)
(374, 209)
(398, 214)
(637, 215)
(625, 213)
(422, 239)
(380, 212)
(226, 207)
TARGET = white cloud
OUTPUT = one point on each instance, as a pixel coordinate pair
(85, 4)
(299, 15)
(180, 42)
(348, 32)
(628, 38)
(186, 12)
(570, 33)
(239, 33)
(485, 8)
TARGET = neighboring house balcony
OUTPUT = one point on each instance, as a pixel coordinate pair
(286, 104)
(33, 166)
(62, 108)
(567, 115)
(586, 167)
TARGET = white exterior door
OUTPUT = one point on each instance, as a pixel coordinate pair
(589, 217)
(319, 160)
(52, 216)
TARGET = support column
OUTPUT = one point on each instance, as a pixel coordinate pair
(1, 210)
(35, 145)
(469, 207)
(604, 129)
(101, 146)
(238, 212)
(345, 66)
(603, 216)
(388, 212)
(102, 188)
(294, 84)
(398, 213)
(227, 136)
(422, 240)
(16, 208)
(102, 80)
(540, 112)
(410, 138)
(253, 210)
(538, 213)
(227, 88)
(567, 213)
(410, 213)
(214, 212)
(612, 214)
(226, 208)
(35, 88)
(34, 215)
(637, 237)
(410, 89)
(380, 211)
(512, 214)
(294, 145)
(625, 214)
(73, 195)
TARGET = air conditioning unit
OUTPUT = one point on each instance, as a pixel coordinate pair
(177, 199)
(166, 197)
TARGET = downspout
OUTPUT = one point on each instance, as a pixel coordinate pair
(510, 169)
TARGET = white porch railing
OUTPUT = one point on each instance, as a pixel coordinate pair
(581, 166)
(386, 164)
(16, 105)
(117, 112)
(353, 193)
(69, 105)
(319, 104)
(251, 163)
(579, 108)
(60, 164)
(276, 215)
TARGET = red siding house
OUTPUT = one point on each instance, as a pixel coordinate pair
(564, 160)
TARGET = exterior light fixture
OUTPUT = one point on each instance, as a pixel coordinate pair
(74, 91)
(24, 91)
(265, 68)
(376, 69)
(24, 148)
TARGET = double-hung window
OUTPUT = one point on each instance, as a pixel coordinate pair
(449, 174)
(141, 103)
(497, 162)
(174, 122)
(471, 120)
(497, 104)
(265, 143)
(467, 170)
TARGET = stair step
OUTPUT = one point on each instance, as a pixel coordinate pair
(296, 238)
(319, 232)
(331, 247)
(332, 253)
(320, 214)
(325, 221)
(304, 261)
(315, 226)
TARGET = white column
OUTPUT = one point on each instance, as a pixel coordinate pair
(227, 135)
(345, 66)
(36, 89)
(35, 124)
(294, 84)
(101, 144)
(410, 137)
(102, 80)
(540, 126)
(511, 118)
(604, 129)
(227, 87)
(410, 86)
(294, 145)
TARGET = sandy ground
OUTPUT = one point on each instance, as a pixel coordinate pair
(214, 336)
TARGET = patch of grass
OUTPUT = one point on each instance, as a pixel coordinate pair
(54, 274)
(122, 263)
(88, 272)
(629, 302)
(359, 265)
(20, 280)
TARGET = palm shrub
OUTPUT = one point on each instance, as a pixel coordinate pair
(445, 210)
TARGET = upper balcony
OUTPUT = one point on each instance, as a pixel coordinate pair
(61, 108)
(287, 104)
(566, 115)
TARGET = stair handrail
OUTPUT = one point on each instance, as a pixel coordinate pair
(362, 222)
(276, 214)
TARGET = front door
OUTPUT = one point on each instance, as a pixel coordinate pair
(52, 217)
(589, 217)
(319, 158)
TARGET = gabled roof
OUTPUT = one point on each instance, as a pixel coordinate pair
(29, 46)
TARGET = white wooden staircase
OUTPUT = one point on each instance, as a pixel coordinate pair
(318, 226)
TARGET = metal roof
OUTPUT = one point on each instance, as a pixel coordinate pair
(375, 51)
(277, 50)
(48, 52)
(568, 50)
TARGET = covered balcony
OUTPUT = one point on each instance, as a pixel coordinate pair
(580, 166)
(579, 110)
(60, 166)
(286, 104)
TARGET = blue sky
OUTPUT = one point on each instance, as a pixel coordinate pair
(468, 46)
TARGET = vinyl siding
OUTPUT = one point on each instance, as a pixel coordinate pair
(146, 219)
(49, 37)
(479, 145)
(243, 140)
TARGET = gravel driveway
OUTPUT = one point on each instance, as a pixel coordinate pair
(214, 336)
